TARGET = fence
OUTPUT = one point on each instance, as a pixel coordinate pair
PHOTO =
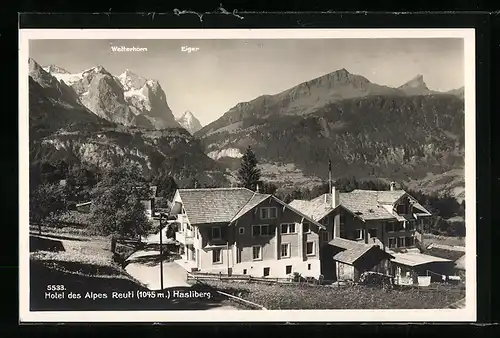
(436, 287)
(203, 276)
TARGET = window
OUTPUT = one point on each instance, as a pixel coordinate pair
(392, 242)
(268, 212)
(217, 256)
(342, 234)
(308, 266)
(306, 228)
(401, 242)
(324, 236)
(310, 248)
(216, 233)
(267, 271)
(260, 230)
(288, 269)
(288, 228)
(244, 271)
(242, 230)
(373, 232)
(359, 233)
(398, 226)
(256, 252)
(389, 226)
(410, 241)
(285, 250)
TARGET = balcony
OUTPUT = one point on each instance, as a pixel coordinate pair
(185, 237)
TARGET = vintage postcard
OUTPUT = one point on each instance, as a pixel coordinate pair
(301, 175)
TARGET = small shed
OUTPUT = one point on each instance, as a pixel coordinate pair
(344, 259)
(407, 266)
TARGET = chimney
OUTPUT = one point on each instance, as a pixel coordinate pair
(393, 186)
(335, 197)
(257, 188)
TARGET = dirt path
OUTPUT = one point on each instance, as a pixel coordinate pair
(145, 267)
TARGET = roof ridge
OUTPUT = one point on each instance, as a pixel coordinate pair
(246, 203)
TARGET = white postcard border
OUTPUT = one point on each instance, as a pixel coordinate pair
(439, 315)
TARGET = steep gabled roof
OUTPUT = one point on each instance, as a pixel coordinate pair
(351, 250)
(214, 205)
(254, 201)
(366, 204)
(316, 209)
(225, 205)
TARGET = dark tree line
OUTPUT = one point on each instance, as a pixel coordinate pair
(114, 193)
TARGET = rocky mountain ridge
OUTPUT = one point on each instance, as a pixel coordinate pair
(63, 128)
(126, 99)
(367, 130)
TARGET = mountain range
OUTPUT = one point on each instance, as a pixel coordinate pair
(410, 134)
(97, 119)
(189, 122)
(127, 99)
(407, 134)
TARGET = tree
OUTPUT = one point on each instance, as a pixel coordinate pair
(80, 181)
(248, 173)
(117, 206)
(47, 201)
(166, 188)
(194, 184)
(268, 188)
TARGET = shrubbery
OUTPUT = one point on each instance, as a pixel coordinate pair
(303, 296)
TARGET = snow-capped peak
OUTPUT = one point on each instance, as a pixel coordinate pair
(131, 81)
(188, 115)
(189, 122)
(53, 69)
(416, 82)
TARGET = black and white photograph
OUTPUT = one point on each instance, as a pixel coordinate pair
(271, 175)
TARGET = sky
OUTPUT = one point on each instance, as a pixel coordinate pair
(222, 73)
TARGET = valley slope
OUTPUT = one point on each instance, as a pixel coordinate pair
(367, 130)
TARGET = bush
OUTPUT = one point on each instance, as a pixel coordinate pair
(375, 278)
(74, 217)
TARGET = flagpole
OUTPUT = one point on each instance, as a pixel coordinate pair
(330, 176)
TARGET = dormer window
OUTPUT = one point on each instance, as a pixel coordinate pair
(268, 212)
